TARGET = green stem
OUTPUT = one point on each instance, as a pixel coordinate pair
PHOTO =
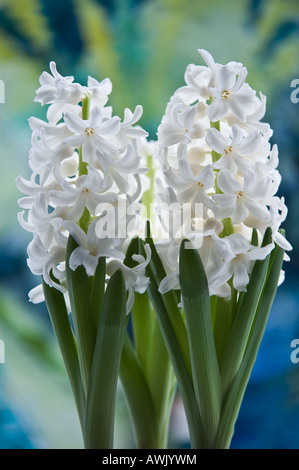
(85, 218)
(222, 325)
(85, 117)
(142, 324)
(228, 228)
(177, 353)
(153, 357)
(183, 376)
(148, 196)
(161, 380)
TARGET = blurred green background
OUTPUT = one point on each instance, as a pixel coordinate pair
(143, 46)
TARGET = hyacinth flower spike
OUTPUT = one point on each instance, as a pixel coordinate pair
(221, 292)
(186, 306)
(87, 163)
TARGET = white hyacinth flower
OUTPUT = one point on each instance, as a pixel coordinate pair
(90, 248)
(91, 133)
(136, 281)
(234, 150)
(239, 267)
(82, 157)
(215, 150)
(230, 94)
(238, 200)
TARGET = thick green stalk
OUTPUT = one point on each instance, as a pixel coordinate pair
(142, 324)
(161, 380)
(85, 218)
(152, 354)
(148, 196)
(222, 325)
(174, 333)
(176, 343)
(85, 116)
(139, 398)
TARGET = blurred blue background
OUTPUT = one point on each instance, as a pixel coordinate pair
(143, 46)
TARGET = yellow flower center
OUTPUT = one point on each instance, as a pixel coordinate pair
(89, 131)
(228, 149)
(225, 94)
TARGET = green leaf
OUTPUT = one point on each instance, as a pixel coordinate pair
(223, 318)
(235, 348)
(205, 369)
(85, 332)
(254, 237)
(170, 300)
(173, 341)
(133, 249)
(67, 344)
(235, 395)
(100, 406)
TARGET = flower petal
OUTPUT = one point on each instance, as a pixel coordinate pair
(217, 110)
(226, 77)
(227, 183)
(168, 283)
(74, 123)
(237, 109)
(241, 277)
(78, 257)
(216, 140)
(110, 126)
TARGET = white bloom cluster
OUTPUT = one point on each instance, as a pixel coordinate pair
(215, 151)
(82, 159)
